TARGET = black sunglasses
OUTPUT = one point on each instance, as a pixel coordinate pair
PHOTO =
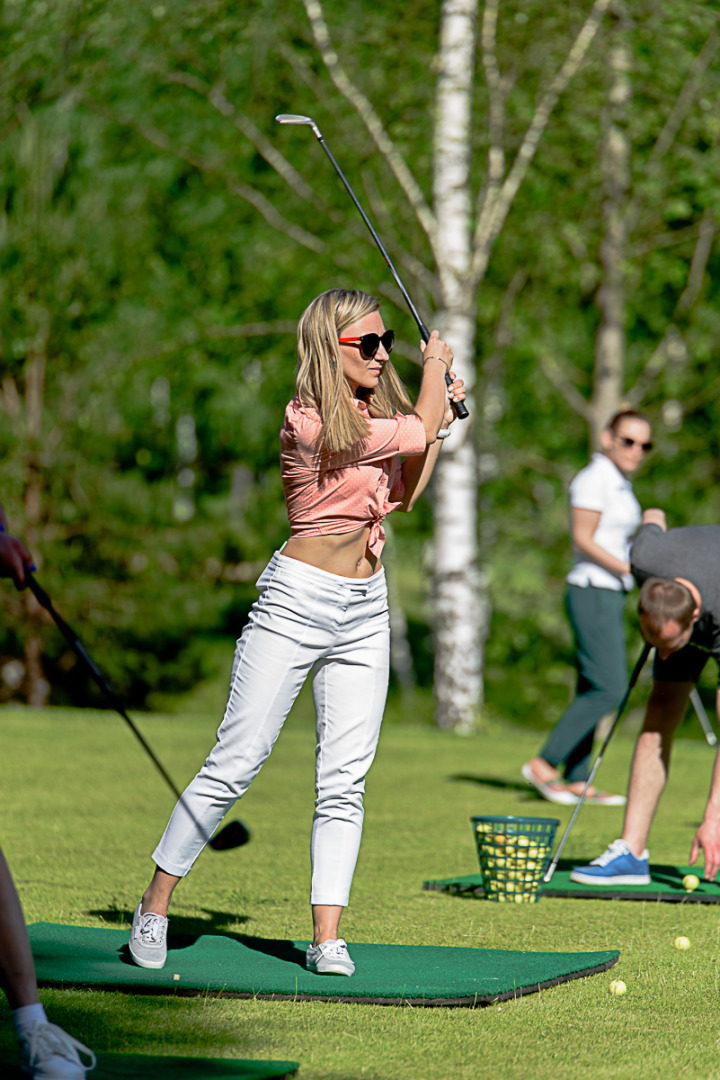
(646, 447)
(368, 344)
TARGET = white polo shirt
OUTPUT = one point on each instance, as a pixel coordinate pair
(601, 486)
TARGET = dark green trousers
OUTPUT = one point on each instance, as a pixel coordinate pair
(596, 617)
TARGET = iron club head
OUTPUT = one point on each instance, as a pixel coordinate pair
(295, 118)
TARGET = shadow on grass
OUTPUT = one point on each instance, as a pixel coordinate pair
(186, 931)
(498, 782)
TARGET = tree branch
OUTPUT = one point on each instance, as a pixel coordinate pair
(249, 194)
(677, 115)
(493, 221)
(10, 401)
(363, 107)
(219, 333)
(698, 263)
(552, 370)
(684, 99)
(672, 346)
(216, 97)
(496, 115)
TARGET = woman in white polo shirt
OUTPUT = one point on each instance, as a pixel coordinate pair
(604, 515)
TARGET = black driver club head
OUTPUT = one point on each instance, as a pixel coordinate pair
(233, 835)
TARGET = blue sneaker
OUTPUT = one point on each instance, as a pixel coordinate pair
(616, 866)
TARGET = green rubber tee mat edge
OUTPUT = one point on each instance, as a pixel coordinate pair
(151, 1067)
(665, 884)
(241, 966)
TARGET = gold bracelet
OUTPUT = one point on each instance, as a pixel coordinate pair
(447, 366)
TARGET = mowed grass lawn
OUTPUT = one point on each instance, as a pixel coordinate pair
(82, 808)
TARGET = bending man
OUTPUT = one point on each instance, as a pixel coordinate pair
(679, 611)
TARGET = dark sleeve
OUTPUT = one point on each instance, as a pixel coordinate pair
(646, 553)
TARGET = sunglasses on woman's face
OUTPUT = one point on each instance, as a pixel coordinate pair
(646, 447)
(368, 344)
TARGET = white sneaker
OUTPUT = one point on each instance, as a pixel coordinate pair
(49, 1053)
(329, 958)
(148, 939)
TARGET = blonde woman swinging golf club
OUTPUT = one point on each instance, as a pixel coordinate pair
(352, 449)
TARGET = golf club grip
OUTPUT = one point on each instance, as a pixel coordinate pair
(459, 407)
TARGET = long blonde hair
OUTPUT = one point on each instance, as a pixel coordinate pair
(320, 381)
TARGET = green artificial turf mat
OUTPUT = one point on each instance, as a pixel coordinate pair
(666, 884)
(150, 1067)
(255, 967)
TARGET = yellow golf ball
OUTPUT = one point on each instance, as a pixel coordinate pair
(682, 943)
(690, 882)
(617, 987)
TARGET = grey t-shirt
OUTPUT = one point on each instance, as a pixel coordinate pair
(693, 553)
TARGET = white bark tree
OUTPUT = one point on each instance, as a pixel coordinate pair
(615, 164)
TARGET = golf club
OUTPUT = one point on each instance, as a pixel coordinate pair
(234, 834)
(702, 716)
(621, 707)
(292, 118)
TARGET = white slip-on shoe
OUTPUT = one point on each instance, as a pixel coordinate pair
(329, 958)
(148, 939)
(555, 791)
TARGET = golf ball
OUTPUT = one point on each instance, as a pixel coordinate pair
(617, 987)
(682, 943)
(690, 882)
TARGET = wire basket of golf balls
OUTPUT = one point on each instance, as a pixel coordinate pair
(514, 853)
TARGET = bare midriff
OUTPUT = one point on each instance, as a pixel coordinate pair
(345, 554)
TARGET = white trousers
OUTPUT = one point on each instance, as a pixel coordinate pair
(305, 620)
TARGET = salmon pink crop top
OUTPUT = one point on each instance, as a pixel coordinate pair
(340, 492)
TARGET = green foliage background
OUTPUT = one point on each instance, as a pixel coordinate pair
(154, 258)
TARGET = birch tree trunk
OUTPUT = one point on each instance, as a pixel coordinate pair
(460, 608)
(462, 248)
(609, 370)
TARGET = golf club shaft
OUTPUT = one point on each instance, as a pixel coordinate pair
(460, 408)
(79, 649)
(231, 835)
(702, 716)
(621, 708)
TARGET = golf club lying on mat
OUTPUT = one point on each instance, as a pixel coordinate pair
(293, 118)
(621, 708)
(234, 834)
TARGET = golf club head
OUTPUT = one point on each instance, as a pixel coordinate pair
(295, 118)
(233, 835)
